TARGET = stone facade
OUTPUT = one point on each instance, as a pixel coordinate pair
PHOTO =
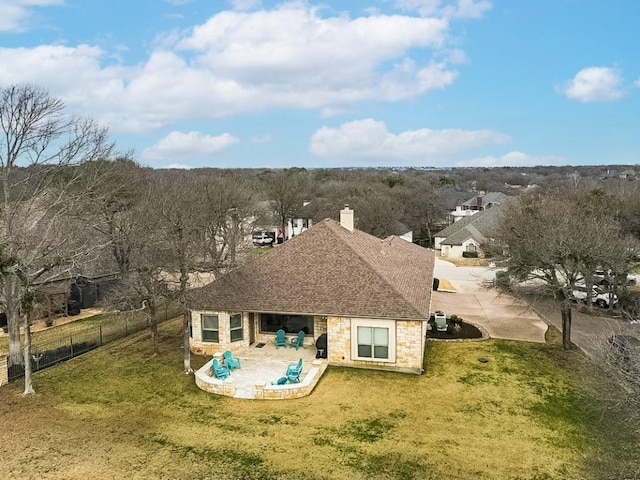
(206, 381)
(266, 391)
(407, 340)
(200, 347)
(4, 372)
(408, 348)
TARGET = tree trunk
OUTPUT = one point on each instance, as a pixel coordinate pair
(184, 278)
(28, 386)
(186, 335)
(11, 292)
(565, 308)
(153, 324)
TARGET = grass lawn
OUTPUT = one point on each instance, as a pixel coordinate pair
(119, 412)
(88, 328)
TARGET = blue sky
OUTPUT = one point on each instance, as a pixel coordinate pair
(249, 83)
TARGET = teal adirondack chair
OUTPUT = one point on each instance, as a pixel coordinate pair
(297, 341)
(280, 381)
(218, 370)
(293, 371)
(281, 339)
(230, 361)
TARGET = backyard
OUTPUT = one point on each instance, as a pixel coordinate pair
(120, 412)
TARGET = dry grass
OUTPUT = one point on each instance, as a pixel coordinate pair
(82, 327)
(467, 262)
(119, 412)
(445, 285)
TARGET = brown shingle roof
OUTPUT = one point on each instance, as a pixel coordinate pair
(328, 270)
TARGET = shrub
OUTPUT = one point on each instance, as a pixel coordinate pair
(469, 254)
(436, 284)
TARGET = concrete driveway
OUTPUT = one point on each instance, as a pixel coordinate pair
(502, 316)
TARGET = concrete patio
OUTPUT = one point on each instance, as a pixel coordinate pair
(260, 367)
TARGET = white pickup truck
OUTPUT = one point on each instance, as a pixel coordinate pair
(600, 297)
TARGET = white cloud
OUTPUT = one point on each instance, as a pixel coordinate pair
(15, 14)
(514, 159)
(292, 56)
(595, 84)
(370, 140)
(459, 8)
(179, 145)
(637, 83)
(262, 139)
(242, 5)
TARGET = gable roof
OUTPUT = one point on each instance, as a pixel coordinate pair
(457, 226)
(487, 198)
(329, 270)
(480, 227)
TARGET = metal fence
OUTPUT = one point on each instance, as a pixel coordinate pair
(52, 352)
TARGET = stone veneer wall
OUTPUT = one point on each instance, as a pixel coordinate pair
(206, 381)
(289, 391)
(199, 347)
(4, 372)
(409, 346)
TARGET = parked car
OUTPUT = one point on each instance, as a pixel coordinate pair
(599, 296)
(262, 239)
(602, 277)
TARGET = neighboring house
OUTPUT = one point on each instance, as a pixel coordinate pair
(470, 233)
(267, 227)
(370, 296)
(482, 201)
(627, 175)
(302, 221)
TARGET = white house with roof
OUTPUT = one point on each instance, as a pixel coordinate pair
(470, 233)
(482, 201)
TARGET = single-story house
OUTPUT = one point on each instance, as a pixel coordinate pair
(370, 296)
(470, 233)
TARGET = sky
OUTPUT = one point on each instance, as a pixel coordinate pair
(340, 83)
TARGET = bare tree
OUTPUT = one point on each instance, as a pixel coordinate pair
(423, 206)
(557, 242)
(287, 190)
(39, 146)
(227, 214)
(172, 207)
(116, 206)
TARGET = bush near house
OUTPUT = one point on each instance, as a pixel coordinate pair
(469, 254)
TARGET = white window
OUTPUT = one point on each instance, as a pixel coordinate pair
(373, 340)
(472, 247)
(235, 322)
(210, 328)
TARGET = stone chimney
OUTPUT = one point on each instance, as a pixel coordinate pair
(346, 218)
